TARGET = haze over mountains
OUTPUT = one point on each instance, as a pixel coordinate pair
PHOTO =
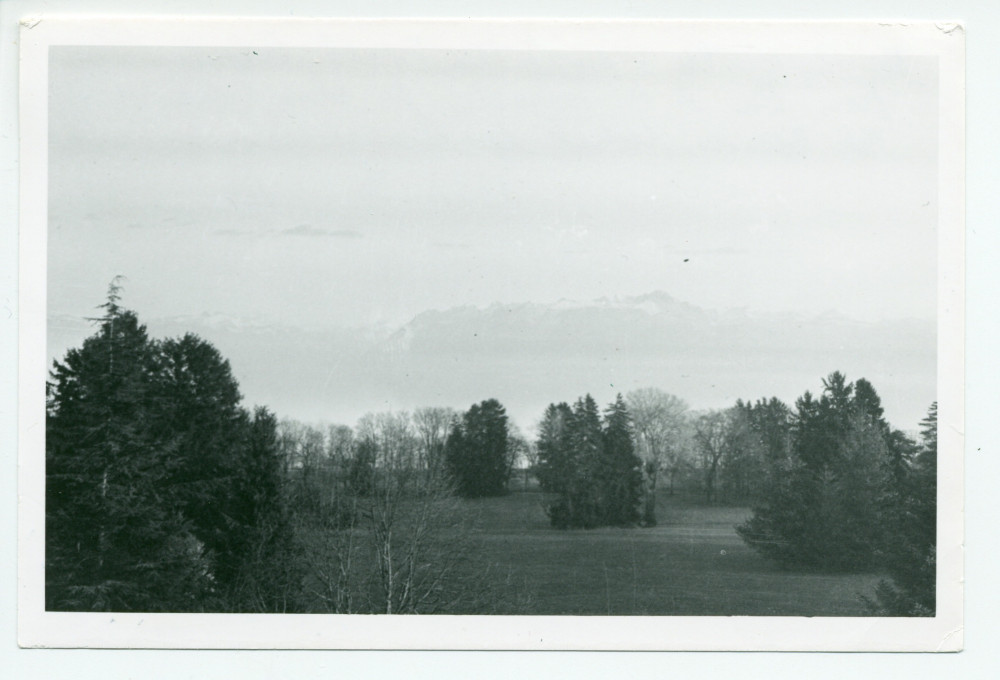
(530, 354)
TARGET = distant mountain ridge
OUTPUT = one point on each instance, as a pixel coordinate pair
(649, 323)
(530, 354)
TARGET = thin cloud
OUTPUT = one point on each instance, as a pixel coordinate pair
(724, 250)
(300, 230)
(309, 230)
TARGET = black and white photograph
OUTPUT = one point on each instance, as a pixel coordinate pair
(525, 324)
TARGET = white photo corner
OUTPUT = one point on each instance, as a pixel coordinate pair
(491, 334)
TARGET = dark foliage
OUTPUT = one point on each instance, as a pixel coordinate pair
(158, 485)
(759, 440)
(591, 465)
(553, 448)
(478, 452)
(829, 503)
(622, 469)
(910, 555)
(258, 536)
(361, 469)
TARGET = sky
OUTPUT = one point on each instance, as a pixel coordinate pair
(349, 187)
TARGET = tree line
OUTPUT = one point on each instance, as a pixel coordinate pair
(163, 493)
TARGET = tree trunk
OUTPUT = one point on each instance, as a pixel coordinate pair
(710, 483)
(649, 510)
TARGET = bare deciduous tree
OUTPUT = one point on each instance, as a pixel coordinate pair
(407, 546)
(712, 436)
(432, 426)
(339, 444)
(304, 449)
(659, 419)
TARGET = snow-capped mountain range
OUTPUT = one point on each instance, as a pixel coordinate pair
(530, 354)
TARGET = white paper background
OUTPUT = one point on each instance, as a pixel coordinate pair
(981, 593)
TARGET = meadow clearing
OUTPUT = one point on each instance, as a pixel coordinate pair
(691, 563)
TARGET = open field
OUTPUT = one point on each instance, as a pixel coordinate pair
(692, 563)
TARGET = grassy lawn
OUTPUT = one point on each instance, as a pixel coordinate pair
(692, 563)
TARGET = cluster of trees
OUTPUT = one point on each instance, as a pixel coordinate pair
(843, 490)
(726, 455)
(590, 464)
(162, 493)
(602, 472)
(376, 522)
(832, 485)
(379, 526)
(723, 454)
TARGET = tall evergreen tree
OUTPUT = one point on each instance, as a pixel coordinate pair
(911, 551)
(197, 404)
(115, 537)
(622, 468)
(584, 492)
(477, 452)
(570, 452)
(553, 447)
(149, 459)
(259, 536)
(829, 508)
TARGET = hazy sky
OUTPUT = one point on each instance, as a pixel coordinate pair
(349, 186)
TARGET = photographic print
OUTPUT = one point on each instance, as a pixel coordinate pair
(515, 325)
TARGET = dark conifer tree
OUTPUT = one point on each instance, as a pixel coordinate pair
(478, 453)
(115, 538)
(772, 421)
(158, 485)
(829, 507)
(259, 536)
(554, 448)
(197, 404)
(622, 468)
(911, 551)
(584, 492)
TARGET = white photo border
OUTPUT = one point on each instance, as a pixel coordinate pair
(38, 628)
